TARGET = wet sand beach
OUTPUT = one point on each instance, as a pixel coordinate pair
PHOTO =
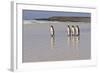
(39, 46)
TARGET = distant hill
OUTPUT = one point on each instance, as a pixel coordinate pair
(65, 18)
(72, 19)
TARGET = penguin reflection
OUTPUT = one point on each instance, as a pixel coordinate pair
(52, 38)
(77, 41)
(73, 41)
(73, 44)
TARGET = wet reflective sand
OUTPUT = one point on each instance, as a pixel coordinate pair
(39, 46)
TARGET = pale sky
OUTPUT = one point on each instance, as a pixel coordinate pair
(33, 14)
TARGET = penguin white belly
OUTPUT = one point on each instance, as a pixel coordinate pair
(51, 31)
(73, 31)
(68, 31)
(76, 31)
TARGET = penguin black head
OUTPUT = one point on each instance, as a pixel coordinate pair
(72, 25)
(51, 26)
(68, 25)
(77, 26)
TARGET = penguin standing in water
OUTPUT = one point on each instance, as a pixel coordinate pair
(68, 30)
(77, 30)
(72, 30)
(52, 31)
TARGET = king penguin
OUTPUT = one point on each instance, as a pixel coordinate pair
(73, 30)
(52, 31)
(68, 30)
(77, 30)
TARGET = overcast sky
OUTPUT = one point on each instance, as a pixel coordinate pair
(33, 14)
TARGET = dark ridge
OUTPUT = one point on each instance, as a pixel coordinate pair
(64, 19)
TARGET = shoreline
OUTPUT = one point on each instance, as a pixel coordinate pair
(52, 22)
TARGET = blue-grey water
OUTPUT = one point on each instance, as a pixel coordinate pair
(39, 46)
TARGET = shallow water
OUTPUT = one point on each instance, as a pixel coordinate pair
(39, 46)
